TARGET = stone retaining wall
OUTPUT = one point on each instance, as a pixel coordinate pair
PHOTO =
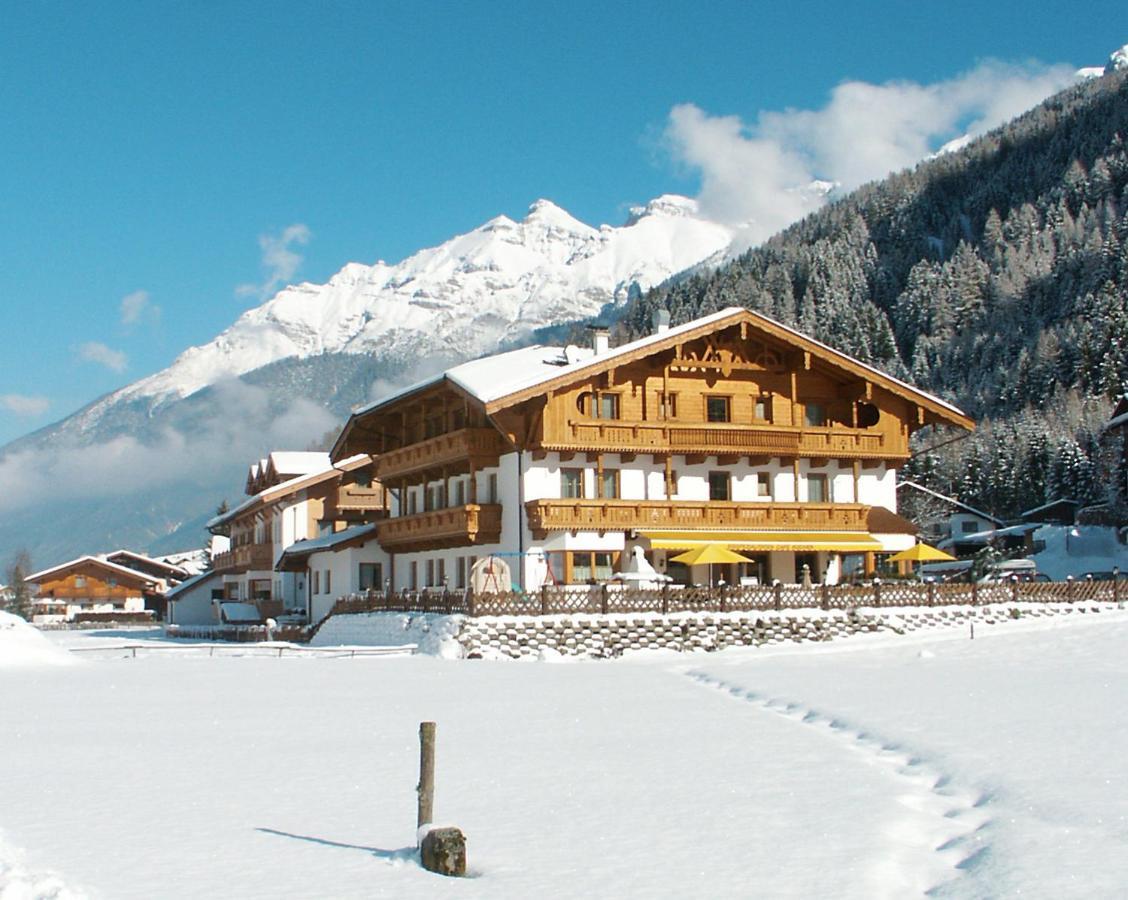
(609, 636)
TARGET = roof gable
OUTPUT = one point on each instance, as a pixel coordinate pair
(507, 394)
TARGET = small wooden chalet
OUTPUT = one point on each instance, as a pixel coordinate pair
(92, 585)
(731, 430)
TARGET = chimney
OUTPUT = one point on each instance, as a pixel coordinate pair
(661, 321)
(600, 338)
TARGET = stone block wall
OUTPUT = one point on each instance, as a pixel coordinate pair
(496, 637)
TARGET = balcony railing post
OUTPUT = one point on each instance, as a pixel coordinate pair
(777, 594)
(544, 600)
(665, 598)
(603, 599)
(471, 604)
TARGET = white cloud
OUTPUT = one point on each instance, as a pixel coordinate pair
(24, 405)
(95, 352)
(138, 306)
(279, 260)
(242, 426)
(754, 175)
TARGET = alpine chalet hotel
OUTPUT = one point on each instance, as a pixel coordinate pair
(559, 462)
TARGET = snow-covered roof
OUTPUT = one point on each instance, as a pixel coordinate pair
(1050, 505)
(298, 462)
(171, 568)
(99, 561)
(983, 537)
(947, 499)
(329, 541)
(190, 583)
(290, 486)
(494, 378)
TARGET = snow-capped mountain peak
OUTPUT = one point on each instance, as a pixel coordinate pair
(459, 299)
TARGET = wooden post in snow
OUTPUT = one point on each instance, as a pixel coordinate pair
(426, 773)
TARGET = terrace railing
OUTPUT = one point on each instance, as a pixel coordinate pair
(606, 599)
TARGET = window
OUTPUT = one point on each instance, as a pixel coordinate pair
(599, 405)
(459, 487)
(363, 478)
(814, 415)
(412, 503)
(491, 487)
(413, 575)
(967, 527)
(763, 484)
(667, 405)
(817, 489)
(328, 576)
(440, 572)
(460, 571)
(762, 408)
(591, 566)
(609, 484)
(430, 572)
(316, 582)
(80, 581)
(717, 409)
(112, 582)
(572, 484)
(371, 576)
(719, 486)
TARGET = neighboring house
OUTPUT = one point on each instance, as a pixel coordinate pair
(344, 562)
(1062, 511)
(731, 429)
(92, 584)
(286, 508)
(942, 519)
(196, 601)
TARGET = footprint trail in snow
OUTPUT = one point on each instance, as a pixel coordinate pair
(937, 834)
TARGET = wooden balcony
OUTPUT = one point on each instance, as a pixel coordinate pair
(684, 515)
(352, 501)
(456, 451)
(256, 557)
(458, 526)
(721, 439)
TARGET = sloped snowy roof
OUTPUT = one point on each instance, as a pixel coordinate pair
(298, 462)
(98, 561)
(328, 541)
(952, 500)
(290, 486)
(190, 583)
(171, 568)
(494, 378)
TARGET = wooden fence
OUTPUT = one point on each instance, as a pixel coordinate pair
(610, 598)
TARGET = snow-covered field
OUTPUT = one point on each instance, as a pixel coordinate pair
(876, 766)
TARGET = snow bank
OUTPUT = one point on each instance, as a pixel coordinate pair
(17, 883)
(1078, 549)
(22, 645)
(432, 634)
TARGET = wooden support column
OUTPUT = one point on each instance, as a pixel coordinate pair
(599, 476)
(796, 418)
(671, 488)
(473, 498)
(857, 475)
(795, 475)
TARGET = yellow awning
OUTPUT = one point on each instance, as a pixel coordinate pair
(764, 541)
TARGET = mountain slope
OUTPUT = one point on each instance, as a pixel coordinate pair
(144, 465)
(995, 275)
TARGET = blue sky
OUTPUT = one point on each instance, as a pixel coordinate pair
(152, 152)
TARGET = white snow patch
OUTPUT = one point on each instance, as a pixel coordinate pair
(22, 644)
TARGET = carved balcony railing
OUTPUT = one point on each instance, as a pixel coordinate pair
(352, 501)
(259, 557)
(723, 438)
(458, 526)
(457, 451)
(619, 515)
